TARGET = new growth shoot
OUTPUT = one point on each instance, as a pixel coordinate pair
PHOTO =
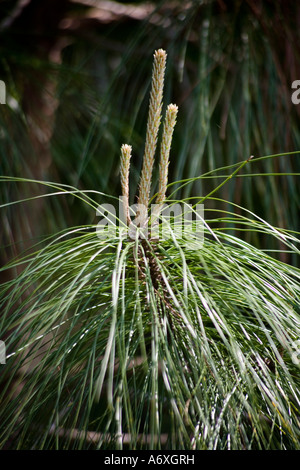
(153, 124)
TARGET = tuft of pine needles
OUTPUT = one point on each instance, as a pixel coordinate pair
(127, 342)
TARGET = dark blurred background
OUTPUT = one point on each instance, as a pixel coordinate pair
(77, 75)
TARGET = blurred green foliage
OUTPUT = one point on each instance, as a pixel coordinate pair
(78, 78)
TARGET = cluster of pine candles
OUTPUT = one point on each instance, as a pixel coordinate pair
(154, 120)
